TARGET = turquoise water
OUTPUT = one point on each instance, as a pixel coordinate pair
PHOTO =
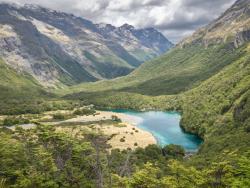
(165, 126)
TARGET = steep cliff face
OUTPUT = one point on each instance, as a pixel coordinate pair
(58, 48)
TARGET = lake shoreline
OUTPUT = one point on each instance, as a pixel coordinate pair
(166, 127)
(143, 137)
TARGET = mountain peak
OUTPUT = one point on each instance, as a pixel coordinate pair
(106, 27)
(127, 27)
(32, 6)
(148, 37)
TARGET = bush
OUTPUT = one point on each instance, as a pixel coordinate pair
(15, 121)
(58, 116)
(247, 128)
(174, 151)
(122, 140)
(84, 111)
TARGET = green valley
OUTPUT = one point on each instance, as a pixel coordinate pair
(78, 136)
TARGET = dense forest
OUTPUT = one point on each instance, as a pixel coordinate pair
(42, 157)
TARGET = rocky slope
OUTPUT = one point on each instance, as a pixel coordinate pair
(233, 26)
(58, 48)
(144, 44)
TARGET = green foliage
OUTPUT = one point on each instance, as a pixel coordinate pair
(59, 116)
(150, 154)
(182, 176)
(44, 158)
(218, 110)
(173, 151)
(17, 85)
(242, 172)
(146, 177)
(21, 94)
(35, 106)
(84, 111)
(10, 121)
(219, 175)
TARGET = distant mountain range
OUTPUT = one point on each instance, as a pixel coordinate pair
(59, 49)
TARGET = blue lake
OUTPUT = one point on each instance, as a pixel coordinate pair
(165, 127)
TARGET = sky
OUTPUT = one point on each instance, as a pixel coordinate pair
(176, 19)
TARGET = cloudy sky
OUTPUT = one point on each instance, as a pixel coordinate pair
(174, 18)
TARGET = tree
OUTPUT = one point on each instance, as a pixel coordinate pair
(147, 177)
(98, 142)
(182, 176)
(242, 173)
(173, 151)
(219, 174)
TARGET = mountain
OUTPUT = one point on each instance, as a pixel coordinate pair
(61, 49)
(193, 60)
(144, 44)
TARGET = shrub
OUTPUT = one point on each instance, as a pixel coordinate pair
(122, 140)
(174, 151)
(15, 121)
(84, 111)
(58, 116)
(247, 128)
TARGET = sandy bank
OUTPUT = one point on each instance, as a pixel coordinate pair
(124, 135)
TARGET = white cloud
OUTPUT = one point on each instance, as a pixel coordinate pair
(175, 18)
